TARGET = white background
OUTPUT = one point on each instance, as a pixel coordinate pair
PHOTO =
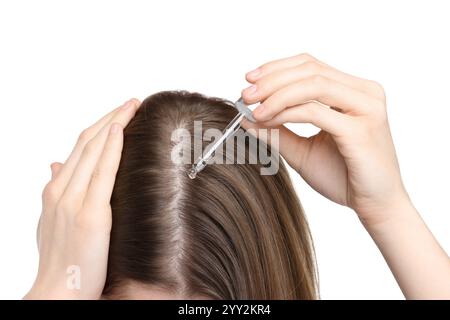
(65, 64)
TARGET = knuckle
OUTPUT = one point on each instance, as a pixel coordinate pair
(85, 135)
(311, 67)
(375, 85)
(50, 192)
(306, 56)
(89, 147)
(377, 89)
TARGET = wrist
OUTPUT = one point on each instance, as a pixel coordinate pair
(377, 217)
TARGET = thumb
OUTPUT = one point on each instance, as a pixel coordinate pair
(55, 167)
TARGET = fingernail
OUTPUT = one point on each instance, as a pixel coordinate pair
(259, 110)
(135, 102)
(127, 104)
(250, 91)
(254, 73)
(115, 128)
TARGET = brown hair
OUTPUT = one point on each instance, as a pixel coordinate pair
(231, 233)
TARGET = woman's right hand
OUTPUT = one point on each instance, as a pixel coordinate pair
(352, 160)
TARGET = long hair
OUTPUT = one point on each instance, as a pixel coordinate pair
(230, 233)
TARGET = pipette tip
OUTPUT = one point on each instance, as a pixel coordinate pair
(192, 173)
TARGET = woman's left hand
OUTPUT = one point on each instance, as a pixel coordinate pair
(74, 228)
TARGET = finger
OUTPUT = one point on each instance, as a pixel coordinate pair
(38, 234)
(276, 65)
(274, 81)
(55, 167)
(89, 133)
(102, 183)
(290, 145)
(321, 116)
(316, 88)
(81, 177)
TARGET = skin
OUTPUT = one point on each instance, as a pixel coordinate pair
(75, 225)
(360, 171)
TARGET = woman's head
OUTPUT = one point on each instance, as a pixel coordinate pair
(231, 233)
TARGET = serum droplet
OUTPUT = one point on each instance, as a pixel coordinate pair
(192, 173)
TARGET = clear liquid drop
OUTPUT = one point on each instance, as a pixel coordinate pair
(192, 173)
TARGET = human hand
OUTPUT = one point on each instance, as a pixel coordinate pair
(74, 227)
(352, 160)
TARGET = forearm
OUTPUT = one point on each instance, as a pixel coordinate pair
(420, 266)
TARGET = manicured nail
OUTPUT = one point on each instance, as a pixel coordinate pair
(254, 73)
(250, 91)
(259, 110)
(115, 128)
